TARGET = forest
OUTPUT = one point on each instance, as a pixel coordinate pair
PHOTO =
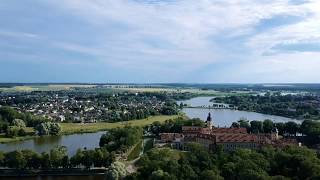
(292, 106)
(243, 164)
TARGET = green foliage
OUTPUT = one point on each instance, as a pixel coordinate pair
(15, 159)
(243, 164)
(48, 128)
(120, 139)
(173, 125)
(256, 126)
(19, 123)
(57, 156)
(10, 116)
(267, 126)
(293, 106)
(116, 171)
(135, 151)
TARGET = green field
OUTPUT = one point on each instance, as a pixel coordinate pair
(196, 91)
(73, 128)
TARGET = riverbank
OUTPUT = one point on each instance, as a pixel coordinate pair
(74, 128)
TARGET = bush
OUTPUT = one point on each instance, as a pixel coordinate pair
(19, 123)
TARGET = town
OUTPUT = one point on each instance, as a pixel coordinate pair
(86, 107)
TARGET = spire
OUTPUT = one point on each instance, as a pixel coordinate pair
(209, 117)
(209, 121)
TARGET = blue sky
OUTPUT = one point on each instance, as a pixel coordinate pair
(144, 41)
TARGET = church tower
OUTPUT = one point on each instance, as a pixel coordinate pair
(209, 122)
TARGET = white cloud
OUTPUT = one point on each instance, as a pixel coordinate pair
(181, 35)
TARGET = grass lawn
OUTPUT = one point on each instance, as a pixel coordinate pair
(71, 128)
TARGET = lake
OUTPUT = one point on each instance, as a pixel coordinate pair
(44, 144)
(225, 117)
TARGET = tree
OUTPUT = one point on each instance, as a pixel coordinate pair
(12, 131)
(235, 125)
(2, 157)
(43, 129)
(88, 158)
(256, 126)
(160, 175)
(57, 156)
(45, 160)
(101, 157)
(291, 127)
(15, 159)
(310, 128)
(48, 128)
(211, 175)
(55, 129)
(18, 123)
(267, 126)
(116, 171)
(33, 159)
(76, 160)
(244, 123)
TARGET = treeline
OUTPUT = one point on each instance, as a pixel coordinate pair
(56, 158)
(243, 164)
(310, 129)
(293, 106)
(173, 125)
(14, 123)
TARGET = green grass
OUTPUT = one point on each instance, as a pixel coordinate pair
(4, 139)
(134, 153)
(71, 128)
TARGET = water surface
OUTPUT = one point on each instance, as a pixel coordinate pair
(44, 144)
(225, 117)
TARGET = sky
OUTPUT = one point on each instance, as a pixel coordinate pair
(160, 41)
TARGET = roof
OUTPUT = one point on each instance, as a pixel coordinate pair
(170, 136)
(229, 130)
(235, 138)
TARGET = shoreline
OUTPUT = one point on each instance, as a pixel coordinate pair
(78, 128)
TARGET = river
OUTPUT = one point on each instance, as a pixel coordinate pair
(225, 117)
(44, 144)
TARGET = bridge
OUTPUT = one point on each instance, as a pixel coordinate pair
(222, 106)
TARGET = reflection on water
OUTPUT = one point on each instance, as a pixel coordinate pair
(44, 144)
(225, 117)
(49, 140)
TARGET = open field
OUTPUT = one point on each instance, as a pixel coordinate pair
(196, 91)
(115, 89)
(73, 128)
(51, 87)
